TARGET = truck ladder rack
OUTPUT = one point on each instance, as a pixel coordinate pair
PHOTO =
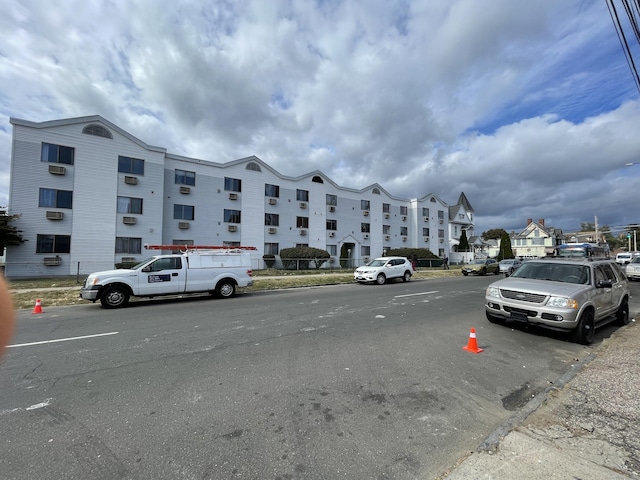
(191, 248)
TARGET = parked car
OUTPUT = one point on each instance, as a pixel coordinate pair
(632, 269)
(574, 295)
(623, 258)
(380, 270)
(481, 267)
(508, 266)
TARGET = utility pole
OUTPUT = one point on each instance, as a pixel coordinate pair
(596, 224)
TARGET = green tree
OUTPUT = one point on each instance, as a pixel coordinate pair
(9, 235)
(300, 257)
(493, 234)
(463, 246)
(505, 247)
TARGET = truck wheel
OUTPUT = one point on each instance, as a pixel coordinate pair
(622, 315)
(114, 297)
(585, 330)
(226, 289)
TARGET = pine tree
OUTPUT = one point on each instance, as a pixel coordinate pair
(464, 243)
(505, 247)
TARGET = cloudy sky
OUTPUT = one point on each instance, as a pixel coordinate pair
(528, 107)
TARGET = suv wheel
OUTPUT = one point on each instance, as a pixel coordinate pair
(585, 330)
(407, 277)
(622, 315)
(381, 279)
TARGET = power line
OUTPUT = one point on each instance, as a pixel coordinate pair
(629, 8)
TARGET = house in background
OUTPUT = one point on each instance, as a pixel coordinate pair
(536, 240)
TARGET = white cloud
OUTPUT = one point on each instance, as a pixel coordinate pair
(519, 104)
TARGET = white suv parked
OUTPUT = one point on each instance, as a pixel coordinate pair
(570, 295)
(382, 269)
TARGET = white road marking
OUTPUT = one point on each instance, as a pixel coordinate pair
(61, 340)
(414, 294)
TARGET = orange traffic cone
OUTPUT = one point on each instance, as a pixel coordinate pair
(472, 346)
(38, 307)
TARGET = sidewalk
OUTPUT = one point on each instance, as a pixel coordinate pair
(586, 427)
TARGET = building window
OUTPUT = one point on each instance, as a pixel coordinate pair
(183, 212)
(271, 190)
(403, 231)
(57, 154)
(403, 210)
(128, 245)
(52, 198)
(317, 179)
(53, 244)
(253, 166)
(386, 208)
(271, 248)
(376, 191)
(425, 212)
(232, 184)
(129, 205)
(231, 216)
(365, 227)
(425, 231)
(440, 215)
(455, 231)
(97, 130)
(272, 219)
(130, 165)
(332, 224)
(432, 200)
(440, 233)
(365, 250)
(332, 200)
(302, 222)
(182, 242)
(364, 204)
(386, 229)
(185, 178)
(333, 250)
(302, 195)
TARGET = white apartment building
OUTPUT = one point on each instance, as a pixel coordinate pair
(91, 195)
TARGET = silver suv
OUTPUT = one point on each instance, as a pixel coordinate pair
(571, 295)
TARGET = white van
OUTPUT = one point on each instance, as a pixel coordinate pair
(623, 258)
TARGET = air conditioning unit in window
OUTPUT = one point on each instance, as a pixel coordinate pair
(129, 259)
(57, 169)
(386, 215)
(404, 218)
(387, 237)
(441, 221)
(183, 225)
(233, 228)
(332, 234)
(55, 215)
(303, 232)
(52, 261)
(426, 219)
(365, 213)
(273, 230)
(233, 196)
(273, 201)
(129, 220)
(442, 240)
(131, 180)
(426, 239)
(185, 190)
(303, 205)
(404, 239)
(365, 236)
(332, 208)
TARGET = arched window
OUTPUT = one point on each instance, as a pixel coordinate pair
(97, 130)
(253, 166)
(375, 191)
(317, 179)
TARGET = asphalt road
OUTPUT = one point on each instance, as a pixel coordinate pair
(348, 381)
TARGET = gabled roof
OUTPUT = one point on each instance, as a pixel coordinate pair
(464, 201)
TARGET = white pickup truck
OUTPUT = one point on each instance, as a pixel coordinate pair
(196, 269)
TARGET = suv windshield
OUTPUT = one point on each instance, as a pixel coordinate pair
(376, 263)
(554, 272)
